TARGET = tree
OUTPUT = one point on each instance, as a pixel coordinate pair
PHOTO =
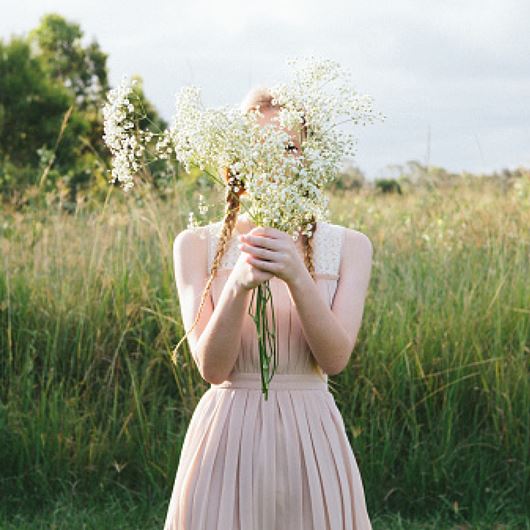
(32, 107)
(52, 90)
(388, 186)
(81, 69)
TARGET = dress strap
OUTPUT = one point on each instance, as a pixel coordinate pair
(212, 233)
(231, 254)
(327, 248)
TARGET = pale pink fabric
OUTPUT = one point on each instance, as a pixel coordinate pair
(279, 464)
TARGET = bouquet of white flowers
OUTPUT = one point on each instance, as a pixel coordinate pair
(284, 192)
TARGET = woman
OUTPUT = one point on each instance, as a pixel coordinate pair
(284, 463)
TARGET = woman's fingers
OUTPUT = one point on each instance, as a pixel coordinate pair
(264, 241)
(266, 266)
(259, 252)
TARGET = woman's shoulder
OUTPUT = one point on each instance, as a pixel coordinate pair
(191, 239)
(353, 238)
(198, 231)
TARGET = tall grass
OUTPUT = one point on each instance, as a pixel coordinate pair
(436, 397)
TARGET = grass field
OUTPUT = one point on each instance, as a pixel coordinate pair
(436, 398)
(131, 514)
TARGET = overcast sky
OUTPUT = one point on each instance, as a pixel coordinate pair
(457, 72)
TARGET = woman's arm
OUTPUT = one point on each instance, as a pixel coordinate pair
(215, 340)
(332, 332)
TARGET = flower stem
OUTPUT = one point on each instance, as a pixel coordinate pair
(267, 339)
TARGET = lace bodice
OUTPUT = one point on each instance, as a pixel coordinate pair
(327, 246)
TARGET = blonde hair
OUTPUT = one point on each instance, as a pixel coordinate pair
(261, 97)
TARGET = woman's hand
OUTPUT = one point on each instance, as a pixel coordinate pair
(272, 251)
(248, 276)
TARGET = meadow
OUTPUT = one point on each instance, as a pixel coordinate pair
(436, 397)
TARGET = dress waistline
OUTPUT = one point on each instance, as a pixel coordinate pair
(252, 380)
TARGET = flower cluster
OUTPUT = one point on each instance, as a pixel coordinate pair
(321, 96)
(125, 141)
(283, 189)
(285, 192)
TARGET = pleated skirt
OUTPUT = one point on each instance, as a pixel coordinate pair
(253, 464)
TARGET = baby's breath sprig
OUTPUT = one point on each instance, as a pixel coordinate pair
(120, 135)
(130, 145)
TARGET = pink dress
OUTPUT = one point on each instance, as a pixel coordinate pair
(279, 464)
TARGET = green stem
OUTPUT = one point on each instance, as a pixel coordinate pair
(267, 343)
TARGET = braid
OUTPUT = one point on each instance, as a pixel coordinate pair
(309, 262)
(234, 189)
(308, 250)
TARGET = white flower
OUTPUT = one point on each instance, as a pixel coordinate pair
(283, 191)
(119, 134)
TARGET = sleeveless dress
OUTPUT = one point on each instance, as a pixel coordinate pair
(279, 464)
